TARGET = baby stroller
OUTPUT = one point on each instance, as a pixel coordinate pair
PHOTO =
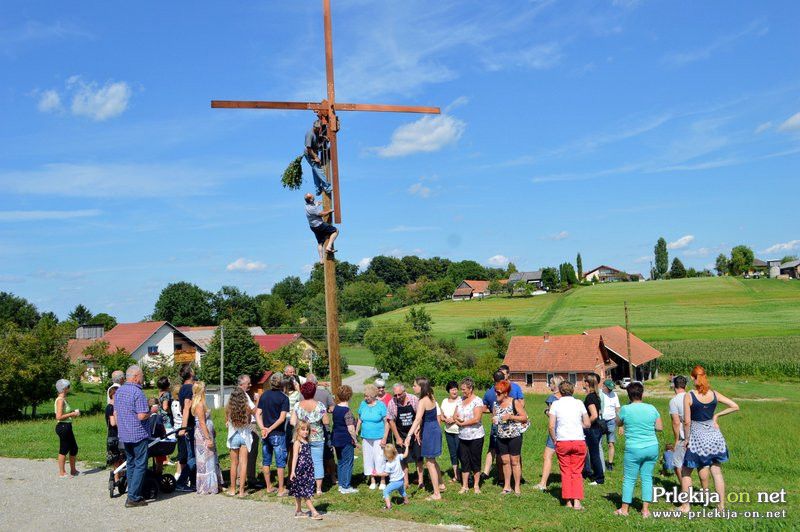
(161, 443)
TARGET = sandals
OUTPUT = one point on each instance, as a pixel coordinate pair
(432, 498)
(620, 512)
(300, 515)
(463, 490)
(316, 516)
(505, 492)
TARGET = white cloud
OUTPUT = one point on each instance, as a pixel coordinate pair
(643, 259)
(763, 127)
(699, 252)
(243, 265)
(98, 103)
(783, 246)
(32, 216)
(560, 236)
(364, 263)
(428, 134)
(458, 102)
(418, 189)
(537, 57)
(682, 242)
(791, 124)
(308, 268)
(498, 260)
(757, 28)
(49, 101)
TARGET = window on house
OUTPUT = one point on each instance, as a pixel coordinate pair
(529, 379)
(178, 347)
(152, 349)
(573, 379)
(550, 378)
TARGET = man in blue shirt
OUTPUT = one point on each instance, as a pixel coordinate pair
(321, 229)
(132, 413)
(315, 144)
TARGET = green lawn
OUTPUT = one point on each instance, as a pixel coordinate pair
(357, 355)
(762, 447)
(718, 307)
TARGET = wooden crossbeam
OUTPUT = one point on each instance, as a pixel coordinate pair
(319, 106)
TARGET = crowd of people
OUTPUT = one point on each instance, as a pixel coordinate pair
(301, 426)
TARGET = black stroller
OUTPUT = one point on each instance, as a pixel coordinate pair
(162, 443)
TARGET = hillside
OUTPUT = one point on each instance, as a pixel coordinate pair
(707, 308)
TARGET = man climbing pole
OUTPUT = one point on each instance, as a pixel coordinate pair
(316, 147)
(321, 229)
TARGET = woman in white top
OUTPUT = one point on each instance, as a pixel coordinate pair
(449, 405)
(471, 434)
(568, 418)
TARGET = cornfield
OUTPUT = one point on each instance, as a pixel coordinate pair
(774, 357)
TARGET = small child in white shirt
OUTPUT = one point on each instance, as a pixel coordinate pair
(394, 470)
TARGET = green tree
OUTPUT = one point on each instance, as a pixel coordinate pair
(81, 315)
(415, 267)
(106, 320)
(419, 320)
(109, 361)
(495, 287)
(550, 278)
(677, 271)
(498, 341)
(579, 264)
(362, 299)
(184, 304)
(389, 270)
(290, 290)
(741, 260)
(436, 290)
(17, 310)
(273, 312)
(242, 354)
(567, 274)
(788, 258)
(466, 270)
(662, 257)
(511, 268)
(721, 264)
(230, 303)
(397, 349)
(362, 327)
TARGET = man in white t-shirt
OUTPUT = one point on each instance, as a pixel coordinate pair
(676, 413)
(611, 406)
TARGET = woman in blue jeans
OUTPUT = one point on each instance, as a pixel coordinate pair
(640, 422)
(593, 467)
(344, 438)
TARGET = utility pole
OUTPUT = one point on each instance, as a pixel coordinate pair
(628, 338)
(221, 366)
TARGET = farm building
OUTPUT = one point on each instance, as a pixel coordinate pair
(204, 334)
(143, 341)
(607, 274)
(470, 289)
(791, 269)
(534, 278)
(534, 360)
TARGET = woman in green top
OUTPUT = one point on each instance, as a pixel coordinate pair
(640, 421)
(67, 443)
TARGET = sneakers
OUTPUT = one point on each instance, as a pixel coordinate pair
(609, 466)
(382, 486)
(185, 489)
(347, 491)
(373, 486)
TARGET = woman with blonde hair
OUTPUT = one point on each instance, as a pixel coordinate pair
(550, 445)
(67, 444)
(705, 445)
(240, 437)
(209, 475)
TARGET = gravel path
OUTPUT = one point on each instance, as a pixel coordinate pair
(33, 498)
(356, 382)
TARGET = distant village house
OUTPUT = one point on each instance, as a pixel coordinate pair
(471, 289)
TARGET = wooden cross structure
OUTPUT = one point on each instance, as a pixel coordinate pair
(326, 111)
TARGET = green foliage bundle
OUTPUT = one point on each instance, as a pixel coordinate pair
(293, 175)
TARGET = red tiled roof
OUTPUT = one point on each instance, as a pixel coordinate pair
(75, 349)
(614, 338)
(130, 336)
(585, 274)
(565, 353)
(503, 281)
(273, 342)
(478, 286)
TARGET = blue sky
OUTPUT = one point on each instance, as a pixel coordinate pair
(591, 127)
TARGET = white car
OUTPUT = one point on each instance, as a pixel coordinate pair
(625, 382)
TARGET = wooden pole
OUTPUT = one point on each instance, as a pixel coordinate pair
(221, 366)
(628, 338)
(331, 306)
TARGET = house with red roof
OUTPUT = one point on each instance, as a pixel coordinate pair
(143, 341)
(535, 360)
(469, 289)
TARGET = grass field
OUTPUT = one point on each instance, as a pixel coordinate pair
(684, 309)
(761, 439)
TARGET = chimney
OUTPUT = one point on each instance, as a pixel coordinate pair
(547, 336)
